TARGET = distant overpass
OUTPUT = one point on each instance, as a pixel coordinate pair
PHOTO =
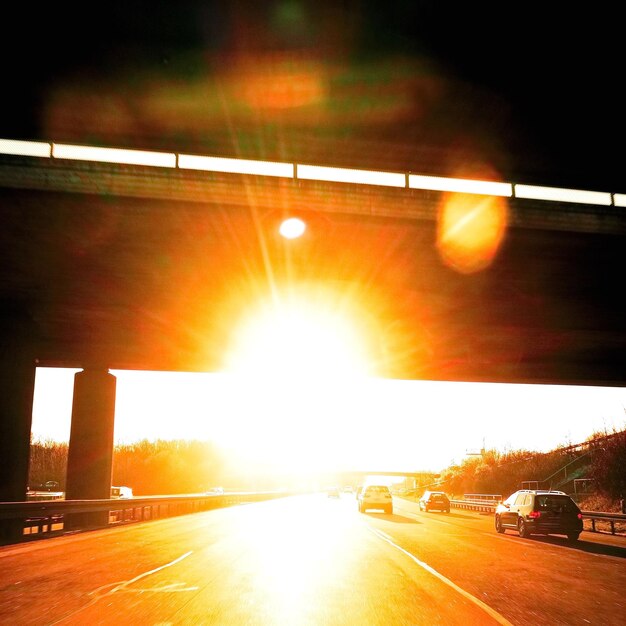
(384, 473)
(352, 476)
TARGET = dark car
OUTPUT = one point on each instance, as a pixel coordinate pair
(541, 513)
(434, 501)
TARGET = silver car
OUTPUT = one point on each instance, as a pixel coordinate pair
(375, 497)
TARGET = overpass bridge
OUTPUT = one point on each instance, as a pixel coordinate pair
(358, 476)
(121, 259)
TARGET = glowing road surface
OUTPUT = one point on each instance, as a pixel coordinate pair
(314, 560)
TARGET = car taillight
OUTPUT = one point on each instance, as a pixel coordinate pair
(534, 514)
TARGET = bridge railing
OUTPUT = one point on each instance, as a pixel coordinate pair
(45, 518)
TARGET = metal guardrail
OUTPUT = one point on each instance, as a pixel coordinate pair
(611, 517)
(32, 496)
(475, 505)
(44, 518)
(490, 507)
(483, 497)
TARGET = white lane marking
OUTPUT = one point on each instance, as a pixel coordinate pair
(170, 588)
(491, 612)
(98, 595)
(139, 577)
(385, 535)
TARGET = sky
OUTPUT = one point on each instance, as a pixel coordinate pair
(367, 424)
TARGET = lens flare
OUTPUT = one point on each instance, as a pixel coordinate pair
(470, 230)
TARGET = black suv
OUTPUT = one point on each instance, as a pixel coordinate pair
(434, 500)
(540, 512)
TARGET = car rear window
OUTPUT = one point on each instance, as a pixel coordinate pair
(377, 490)
(556, 503)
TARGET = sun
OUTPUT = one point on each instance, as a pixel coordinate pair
(296, 339)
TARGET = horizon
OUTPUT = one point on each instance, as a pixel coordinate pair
(373, 423)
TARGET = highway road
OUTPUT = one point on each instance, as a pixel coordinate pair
(309, 560)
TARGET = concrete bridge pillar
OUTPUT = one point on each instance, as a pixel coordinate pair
(17, 387)
(90, 455)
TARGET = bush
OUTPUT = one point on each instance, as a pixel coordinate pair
(503, 473)
(608, 465)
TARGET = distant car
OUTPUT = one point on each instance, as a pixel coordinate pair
(121, 492)
(536, 512)
(434, 501)
(375, 497)
(333, 492)
(215, 491)
(50, 485)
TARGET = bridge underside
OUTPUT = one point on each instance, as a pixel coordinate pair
(144, 268)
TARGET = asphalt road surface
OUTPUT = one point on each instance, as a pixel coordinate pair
(314, 560)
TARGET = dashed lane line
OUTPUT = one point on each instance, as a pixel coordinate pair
(491, 612)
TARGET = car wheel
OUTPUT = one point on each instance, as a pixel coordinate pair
(523, 528)
(499, 527)
(573, 536)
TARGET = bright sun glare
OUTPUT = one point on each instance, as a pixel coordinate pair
(300, 361)
(295, 340)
